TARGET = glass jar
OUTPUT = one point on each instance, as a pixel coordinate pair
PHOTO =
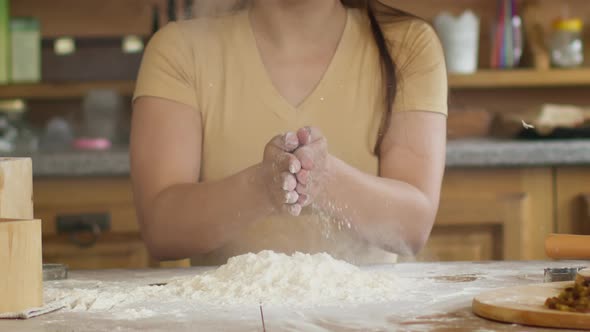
(103, 110)
(567, 47)
(15, 133)
(9, 111)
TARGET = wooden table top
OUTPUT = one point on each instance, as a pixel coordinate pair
(441, 302)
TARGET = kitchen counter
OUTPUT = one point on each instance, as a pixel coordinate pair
(439, 301)
(114, 162)
(510, 153)
(461, 153)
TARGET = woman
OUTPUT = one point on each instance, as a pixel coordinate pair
(358, 92)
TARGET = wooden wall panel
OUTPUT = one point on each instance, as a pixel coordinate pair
(111, 196)
(90, 18)
(573, 200)
(520, 201)
(463, 243)
(516, 100)
(124, 252)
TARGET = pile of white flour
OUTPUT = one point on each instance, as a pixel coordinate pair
(279, 279)
(300, 280)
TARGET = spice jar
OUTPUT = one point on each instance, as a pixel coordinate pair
(567, 47)
(15, 132)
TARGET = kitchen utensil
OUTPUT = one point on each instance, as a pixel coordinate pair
(517, 34)
(102, 111)
(564, 246)
(507, 39)
(15, 132)
(507, 47)
(21, 280)
(535, 35)
(561, 274)
(58, 135)
(96, 144)
(54, 272)
(525, 305)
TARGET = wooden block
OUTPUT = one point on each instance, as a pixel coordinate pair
(16, 188)
(21, 280)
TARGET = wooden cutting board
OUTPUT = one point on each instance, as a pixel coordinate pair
(525, 305)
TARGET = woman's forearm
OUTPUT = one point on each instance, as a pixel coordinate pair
(185, 219)
(388, 213)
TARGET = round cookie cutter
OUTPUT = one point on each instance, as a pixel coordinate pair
(55, 272)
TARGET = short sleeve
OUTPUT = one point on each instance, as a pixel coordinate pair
(421, 70)
(167, 68)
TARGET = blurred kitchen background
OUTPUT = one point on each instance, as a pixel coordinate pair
(519, 122)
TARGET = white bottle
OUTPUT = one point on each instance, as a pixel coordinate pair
(460, 39)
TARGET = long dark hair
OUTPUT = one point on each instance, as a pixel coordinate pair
(375, 11)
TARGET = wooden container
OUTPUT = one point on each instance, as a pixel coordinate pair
(21, 279)
(16, 188)
(21, 266)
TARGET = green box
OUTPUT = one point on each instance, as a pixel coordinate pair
(4, 41)
(25, 36)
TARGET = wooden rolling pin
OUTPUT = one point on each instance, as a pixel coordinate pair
(565, 246)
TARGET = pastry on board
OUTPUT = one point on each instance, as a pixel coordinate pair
(575, 298)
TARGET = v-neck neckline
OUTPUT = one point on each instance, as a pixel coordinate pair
(269, 89)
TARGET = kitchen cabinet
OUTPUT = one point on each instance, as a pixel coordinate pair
(493, 214)
(89, 223)
(106, 253)
(485, 214)
(573, 200)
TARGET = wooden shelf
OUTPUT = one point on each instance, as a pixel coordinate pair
(484, 79)
(63, 90)
(522, 78)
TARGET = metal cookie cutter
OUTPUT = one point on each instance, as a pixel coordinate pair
(54, 272)
(562, 274)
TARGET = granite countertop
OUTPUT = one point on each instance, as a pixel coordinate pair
(510, 153)
(461, 153)
(439, 300)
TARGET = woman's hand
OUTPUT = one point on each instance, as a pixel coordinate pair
(279, 169)
(313, 157)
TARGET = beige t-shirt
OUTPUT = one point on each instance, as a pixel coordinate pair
(213, 65)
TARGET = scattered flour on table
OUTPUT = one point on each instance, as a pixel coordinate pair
(270, 278)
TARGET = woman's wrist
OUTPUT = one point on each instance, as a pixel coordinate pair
(334, 172)
(256, 178)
